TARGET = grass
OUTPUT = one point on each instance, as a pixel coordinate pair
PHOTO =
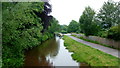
(94, 42)
(91, 56)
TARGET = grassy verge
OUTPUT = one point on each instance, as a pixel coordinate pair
(94, 42)
(91, 56)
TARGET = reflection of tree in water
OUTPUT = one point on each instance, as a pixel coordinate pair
(50, 48)
(38, 56)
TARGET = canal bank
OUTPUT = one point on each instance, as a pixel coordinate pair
(92, 56)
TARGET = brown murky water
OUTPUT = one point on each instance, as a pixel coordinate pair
(51, 53)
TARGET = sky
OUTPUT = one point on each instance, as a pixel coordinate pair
(66, 10)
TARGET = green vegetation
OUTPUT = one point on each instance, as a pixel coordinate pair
(73, 26)
(114, 32)
(94, 42)
(55, 27)
(108, 19)
(0, 35)
(105, 23)
(91, 56)
(108, 15)
(88, 27)
(63, 28)
(25, 25)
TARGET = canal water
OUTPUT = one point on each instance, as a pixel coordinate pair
(51, 53)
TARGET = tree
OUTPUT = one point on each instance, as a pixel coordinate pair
(44, 15)
(87, 25)
(108, 15)
(22, 29)
(73, 26)
(107, 18)
(54, 26)
(63, 28)
(117, 14)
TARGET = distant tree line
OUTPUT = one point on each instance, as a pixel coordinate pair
(25, 25)
(72, 27)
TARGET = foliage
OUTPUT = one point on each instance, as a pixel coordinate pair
(108, 15)
(55, 27)
(63, 29)
(87, 25)
(114, 33)
(22, 29)
(89, 55)
(73, 26)
(0, 35)
(100, 24)
(44, 37)
(45, 16)
(102, 33)
(107, 18)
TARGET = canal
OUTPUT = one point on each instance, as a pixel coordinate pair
(51, 53)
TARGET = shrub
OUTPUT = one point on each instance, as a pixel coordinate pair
(102, 34)
(45, 37)
(114, 33)
(63, 31)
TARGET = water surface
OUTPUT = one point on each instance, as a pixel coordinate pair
(51, 53)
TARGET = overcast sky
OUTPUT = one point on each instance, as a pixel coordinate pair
(66, 10)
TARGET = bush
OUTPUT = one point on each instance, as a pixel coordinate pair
(44, 37)
(63, 31)
(102, 34)
(50, 35)
(114, 33)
